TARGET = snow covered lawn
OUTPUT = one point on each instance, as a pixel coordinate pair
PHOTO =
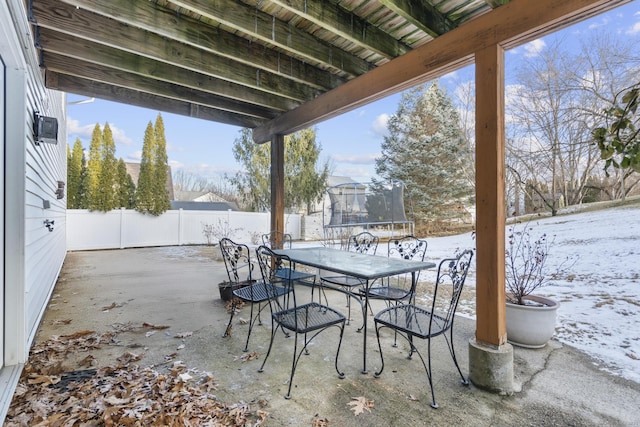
(600, 295)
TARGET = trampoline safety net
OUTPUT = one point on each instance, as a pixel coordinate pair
(366, 205)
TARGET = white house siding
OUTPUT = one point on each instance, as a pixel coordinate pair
(32, 255)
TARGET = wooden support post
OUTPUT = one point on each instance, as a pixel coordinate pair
(490, 198)
(277, 183)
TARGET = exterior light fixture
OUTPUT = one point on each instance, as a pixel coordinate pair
(45, 129)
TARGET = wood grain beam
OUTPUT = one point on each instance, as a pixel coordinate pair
(513, 24)
(299, 44)
(421, 14)
(84, 87)
(99, 29)
(272, 31)
(277, 183)
(101, 73)
(347, 25)
(490, 198)
(496, 3)
(88, 51)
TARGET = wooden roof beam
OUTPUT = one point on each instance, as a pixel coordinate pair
(511, 25)
(84, 87)
(272, 31)
(347, 25)
(101, 73)
(99, 29)
(88, 51)
(150, 17)
(421, 14)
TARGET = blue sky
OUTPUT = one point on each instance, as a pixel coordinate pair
(351, 142)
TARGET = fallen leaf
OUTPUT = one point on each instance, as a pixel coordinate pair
(321, 422)
(149, 325)
(43, 379)
(359, 404)
(111, 307)
(87, 361)
(185, 377)
(248, 356)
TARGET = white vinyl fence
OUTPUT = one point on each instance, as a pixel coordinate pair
(124, 228)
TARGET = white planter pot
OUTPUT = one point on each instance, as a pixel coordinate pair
(531, 326)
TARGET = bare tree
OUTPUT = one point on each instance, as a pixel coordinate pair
(552, 111)
(187, 181)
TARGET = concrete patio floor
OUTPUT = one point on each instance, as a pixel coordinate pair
(177, 287)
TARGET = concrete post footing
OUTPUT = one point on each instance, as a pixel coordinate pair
(491, 368)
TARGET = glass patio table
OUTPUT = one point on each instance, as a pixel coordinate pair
(365, 267)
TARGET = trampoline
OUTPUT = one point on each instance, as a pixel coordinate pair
(377, 207)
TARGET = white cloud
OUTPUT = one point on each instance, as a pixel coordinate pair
(600, 23)
(356, 173)
(379, 125)
(74, 128)
(119, 137)
(174, 164)
(635, 29)
(453, 75)
(136, 155)
(533, 48)
(356, 159)
(85, 131)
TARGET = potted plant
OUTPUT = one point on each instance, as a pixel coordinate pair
(531, 319)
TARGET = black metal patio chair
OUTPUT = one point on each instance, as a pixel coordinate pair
(364, 243)
(400, 288)
(277, 240)
(237, 260)
(308, 319)
(412, 321)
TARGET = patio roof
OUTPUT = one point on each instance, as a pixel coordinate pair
(250, 62)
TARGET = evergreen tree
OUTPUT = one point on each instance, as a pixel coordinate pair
(82, 203)
(125, 194)
(108, 168)
(425, 149)
(75, 166)
(93, 170)
(144, 192)
(160, 170)
(303, 183)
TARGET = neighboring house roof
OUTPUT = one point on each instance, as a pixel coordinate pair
(133, 169)
(198, 196)
(337, 180)
(203, 206)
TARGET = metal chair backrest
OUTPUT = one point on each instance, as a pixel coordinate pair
(237, 260)
(452, 273)
(364, 243)
(409, 248)
(276, 273)
(277, 239)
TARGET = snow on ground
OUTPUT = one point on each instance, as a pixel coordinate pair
(599, 296)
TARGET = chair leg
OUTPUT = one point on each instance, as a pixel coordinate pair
(340, 373)
(453, 355)
(294, 363)
(227, 331)
(377, 373)
(274, 330)
(296, 356)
